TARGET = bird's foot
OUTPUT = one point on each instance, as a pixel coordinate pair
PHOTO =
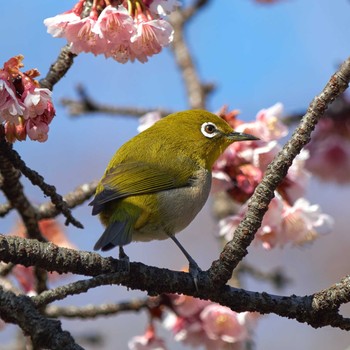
(124, 260)
(194, 270)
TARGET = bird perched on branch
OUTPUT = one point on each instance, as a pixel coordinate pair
(158, 181)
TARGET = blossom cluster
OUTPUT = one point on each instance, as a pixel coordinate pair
(124, 30)
(197, 322)
(201, 322)
(25, 108)
(290, 217)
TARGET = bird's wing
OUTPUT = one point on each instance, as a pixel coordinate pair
(135, 178)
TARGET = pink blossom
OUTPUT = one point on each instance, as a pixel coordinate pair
(83, 38)
(221, 323)
(268, 125)
(244, 165)
(283, 223)
(150, 37)
(304, 222)
(122, 52)
(198, 322)
(148, 120)
(36, 102)
(115, 24)
(37, 129)
(125, 33)
(56, 26)
(187, 306)
(24, 107)
(10, 107)
(148, 341)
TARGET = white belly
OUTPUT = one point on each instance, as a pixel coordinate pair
(178, 208)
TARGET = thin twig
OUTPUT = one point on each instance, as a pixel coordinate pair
(72, 200)
(74, 288)
(36, 179)
(13, 189)
(93, 311)
(87, 105)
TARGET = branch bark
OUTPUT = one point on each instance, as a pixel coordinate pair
(221, 270)
(318, 310)
(44, 333)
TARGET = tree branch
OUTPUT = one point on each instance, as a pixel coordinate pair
(44, 333)
(59, 68)
(13, 189)
(221, 270)
(86, 105)
(93, 311)
(197, 92)
(307, 309)
(72, 200)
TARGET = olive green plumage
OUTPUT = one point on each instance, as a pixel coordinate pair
(158, 181)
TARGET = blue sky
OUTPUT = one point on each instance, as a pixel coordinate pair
(256, 55)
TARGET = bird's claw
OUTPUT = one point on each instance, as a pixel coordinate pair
(194, 271)
(124, 261)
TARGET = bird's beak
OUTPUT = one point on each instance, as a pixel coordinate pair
(240, 136)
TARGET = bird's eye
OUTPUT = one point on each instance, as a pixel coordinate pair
(209, 129)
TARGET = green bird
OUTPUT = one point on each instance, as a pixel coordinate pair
(157, 182)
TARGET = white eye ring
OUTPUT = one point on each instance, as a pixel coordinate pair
(209, 129)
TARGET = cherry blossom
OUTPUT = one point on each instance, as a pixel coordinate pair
(197, 322)
(267, 125)
(56, 26)
(221, 323)
(126, 32)
(290, 218)
(25, 108)
(297, 224)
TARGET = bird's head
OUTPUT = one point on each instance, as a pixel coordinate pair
(198, 134)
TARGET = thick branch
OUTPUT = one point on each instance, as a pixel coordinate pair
(157, 281)
(44, 333)
(234, 251)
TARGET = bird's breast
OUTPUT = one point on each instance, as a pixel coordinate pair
(178, 207)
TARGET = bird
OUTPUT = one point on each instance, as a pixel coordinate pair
(158, 181)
